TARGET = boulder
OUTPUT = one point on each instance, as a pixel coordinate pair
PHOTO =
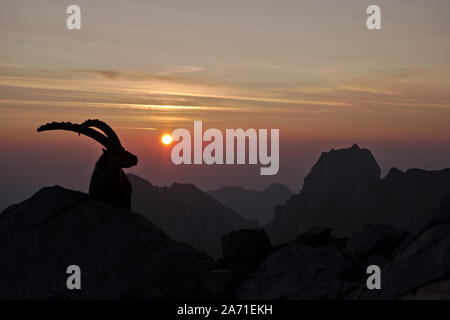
(315, 237)
(423, 259)
(221, 283)
(301, 271)
(375, 238)
(436, 290)
(246, 245)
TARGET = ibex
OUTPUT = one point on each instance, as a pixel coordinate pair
(108, 182)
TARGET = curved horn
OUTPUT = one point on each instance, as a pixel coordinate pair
(80, 129)
(109, 132)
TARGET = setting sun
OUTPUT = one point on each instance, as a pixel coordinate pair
(166, 139)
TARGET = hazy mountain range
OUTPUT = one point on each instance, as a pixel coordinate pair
(252, 204)
(186, 213)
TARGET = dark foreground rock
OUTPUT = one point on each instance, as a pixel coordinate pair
(375, 238)
(243, 252)
(318, 266)
(421, 266)
(246, 246)
(121, 254)
(305, 270)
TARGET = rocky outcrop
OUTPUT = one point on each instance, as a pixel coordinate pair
(337, 193)
(248, 246)
(304, 269)
(317, 265)
(420, 266)
(121, 254)
(392, 222)
(375, 238)
(243, 252)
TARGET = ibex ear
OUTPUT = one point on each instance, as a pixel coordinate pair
(104, 150)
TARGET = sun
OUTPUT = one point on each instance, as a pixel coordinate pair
(166, 139)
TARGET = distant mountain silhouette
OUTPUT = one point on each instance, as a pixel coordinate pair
(344, 191)
(121, 254)
(252, 204)
(408, 199)
(186, 213)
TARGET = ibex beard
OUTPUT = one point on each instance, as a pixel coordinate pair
(213, 152)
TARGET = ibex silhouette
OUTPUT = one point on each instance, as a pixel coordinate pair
(108, 182)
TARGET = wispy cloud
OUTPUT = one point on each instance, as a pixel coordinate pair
(182, 69)
(130, 106)
(181, 89)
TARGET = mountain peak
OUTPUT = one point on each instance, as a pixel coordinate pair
(138, 180)
(343, 166)
(277, 188)
(337, 192)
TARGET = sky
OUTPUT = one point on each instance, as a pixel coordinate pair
(309, 68)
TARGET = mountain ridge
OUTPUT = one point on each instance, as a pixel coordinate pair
(186, 213)
(253, 204)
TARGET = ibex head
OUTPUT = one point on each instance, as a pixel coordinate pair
(121, 158)
(113, 150)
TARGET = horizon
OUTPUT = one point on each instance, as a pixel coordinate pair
(25, 194)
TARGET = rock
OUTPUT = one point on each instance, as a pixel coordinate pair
(247, 246)
(121, 254)
(315, 237)
(424, 260)
(375, 238)
(379, 259)
(436, 290)
(337, 193)
(222, 283)
(299, 271)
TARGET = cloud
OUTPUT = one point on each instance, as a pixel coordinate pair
(168, 74)
(182, 69)
(117, 74)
